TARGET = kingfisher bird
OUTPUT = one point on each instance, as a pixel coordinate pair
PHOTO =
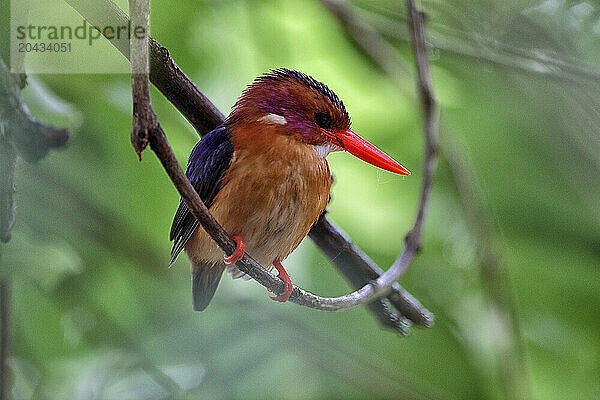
(264, 176)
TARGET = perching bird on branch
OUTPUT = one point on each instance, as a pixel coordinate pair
(263, 175)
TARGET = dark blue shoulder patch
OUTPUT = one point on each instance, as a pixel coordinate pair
(208, 162)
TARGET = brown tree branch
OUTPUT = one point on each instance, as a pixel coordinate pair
(430, 126)
(144, 118)
(430, 119)
(168, 71)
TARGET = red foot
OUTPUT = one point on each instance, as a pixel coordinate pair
(287, 283)
(238, 253)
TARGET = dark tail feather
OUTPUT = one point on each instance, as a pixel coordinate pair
(205, 280)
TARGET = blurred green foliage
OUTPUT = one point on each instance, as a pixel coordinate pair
(96, 314)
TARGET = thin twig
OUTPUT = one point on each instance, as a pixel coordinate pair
(161, 147)
(430, 119)
(430, 126)
(144, 118)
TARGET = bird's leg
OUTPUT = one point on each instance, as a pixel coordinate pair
(238, 253)
(287, 282)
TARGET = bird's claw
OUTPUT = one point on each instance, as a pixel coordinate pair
(287, 283)
(238, 253)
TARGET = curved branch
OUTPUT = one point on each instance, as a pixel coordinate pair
(430, 121)
(338, 246)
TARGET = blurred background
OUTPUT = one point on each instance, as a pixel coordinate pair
(511, 254)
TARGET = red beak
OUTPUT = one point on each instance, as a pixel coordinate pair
(364, 150)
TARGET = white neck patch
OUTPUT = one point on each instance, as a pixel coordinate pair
(273, 119)
(324, 149)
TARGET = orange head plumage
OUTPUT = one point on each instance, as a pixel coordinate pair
(308, 111)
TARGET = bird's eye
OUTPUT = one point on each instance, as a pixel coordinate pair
(323, 120)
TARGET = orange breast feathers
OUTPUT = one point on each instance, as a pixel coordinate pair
(272, 194)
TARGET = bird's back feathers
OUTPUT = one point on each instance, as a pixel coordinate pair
(206, 167)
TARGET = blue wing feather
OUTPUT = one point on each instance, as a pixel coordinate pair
(207, 164)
